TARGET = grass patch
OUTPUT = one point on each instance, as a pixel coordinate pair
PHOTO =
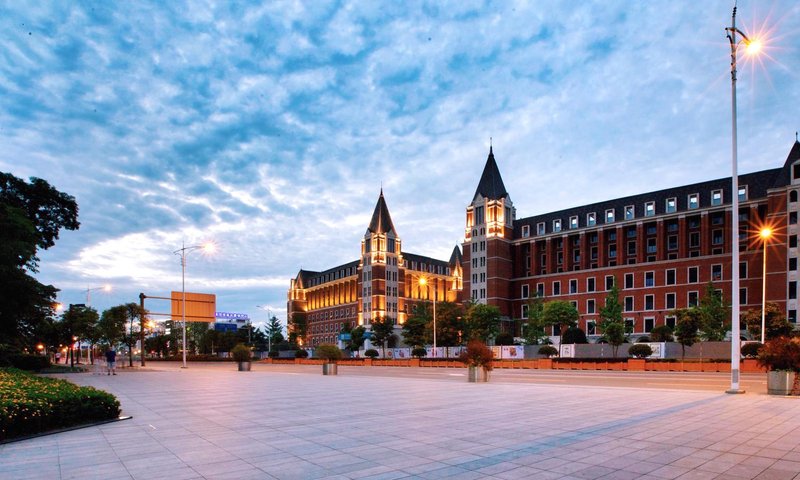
(31, 404)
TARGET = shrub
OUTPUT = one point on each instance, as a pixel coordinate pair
(33, 363)
(371, 353)
(504, 338)
(574, 335)
(782, 353)
(273, 354)
(328, 352)
(751, 350)
(661, 333)
(301, 354)
(643, 339)
(548, 350)
(640, 350)
(477, 354)
(30, 404)
(241, 353)
(419, 352)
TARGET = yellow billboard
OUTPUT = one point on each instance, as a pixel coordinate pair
(200, 307)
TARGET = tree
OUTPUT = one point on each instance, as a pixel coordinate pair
(298, 327)
(714, 315)
(535, 326)
(79, 322)
(449, 324)
(114, 320)
(661, 333)
(560, 313)
(415, 326)
(358, 335)
(382, 330)
(482, 322)
(775, 321)
(274, 330)
(611, 322)
(574, 335)
(689, 321)
(31, 216)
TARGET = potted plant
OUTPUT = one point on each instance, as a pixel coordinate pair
(478, 359)
(330, 354)
(241, 355)
(781, 357)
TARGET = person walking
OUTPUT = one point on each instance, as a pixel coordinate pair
(111, 360)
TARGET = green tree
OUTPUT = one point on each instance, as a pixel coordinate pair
(774, 320)
(114, 321)
(611, 322)
(535, 327)
(686, 330)
(714, 315)
(449, 324)
(298, 327)
(482, 322)
(382, 330)
(661, 333)
(274, 330)
(415, 326)
(31, 216)
(573, 335)
(79, 322)
(560, 313)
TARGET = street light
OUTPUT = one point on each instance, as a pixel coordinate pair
(88, 291)
(765, 235)
(268, 329)
(751, 47)
(207, 248)
(423, 282)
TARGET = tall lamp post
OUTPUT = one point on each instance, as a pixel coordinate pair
(765, 235)
(269, 331)
(751, 47)
(88, 291)
(423, 282)
(208, 248)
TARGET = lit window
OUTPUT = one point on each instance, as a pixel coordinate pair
(609, 216)
(694, 201)
(573, 222)
(672, 205)
(716, 197)
(649, 209)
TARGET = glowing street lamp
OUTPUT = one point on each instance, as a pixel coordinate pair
(423, 282)
(88, 291)
(765, 235)
(751, 47)
(206, 248)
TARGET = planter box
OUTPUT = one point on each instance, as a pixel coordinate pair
(414, 362)
(244, 366)
(477, 374)
(636, 364)
(329, 369)
(544, 363)
(750, 365)
(780, 382)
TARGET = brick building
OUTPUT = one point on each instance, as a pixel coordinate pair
(661, 248)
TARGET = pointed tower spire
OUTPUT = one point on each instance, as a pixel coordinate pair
(491, 184)
(381, 220)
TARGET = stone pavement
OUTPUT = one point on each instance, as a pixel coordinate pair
(216, 423)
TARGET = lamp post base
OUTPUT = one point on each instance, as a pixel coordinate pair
(734, 392)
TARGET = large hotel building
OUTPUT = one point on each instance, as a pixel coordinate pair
(661, 248)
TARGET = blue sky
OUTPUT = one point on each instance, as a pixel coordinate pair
(270, 127)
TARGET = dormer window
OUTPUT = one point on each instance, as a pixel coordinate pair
(573, 222)
(694, 201)
(716, 197)
(610, 216)
(672, 205)
(557, 225)
(591, 219)
(630, 212)
(526, 231)
(649, 209)
(540, 228)
(742, 193)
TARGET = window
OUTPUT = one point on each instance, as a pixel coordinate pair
(793, 241)
(742, 193)
(670, 322)
(591, 219)
(716, 197)
(526, 231)
(628, 304)
(691, 299)
(630, 325)
(793, 263)
(649, 209)
(793, 196)
(524, 313)
(573, 222)
(557, 225)
(540, 290)
(792, 290)
(649, 302)
(609, 282)
(649, 323)
(591, 327)
(670, 280)
(716, 273)
(556, 288)
(609, 216)
(672, 205)
(651, 245)
(479, 215)
(694, 201)
(629, 212)
(694, 240)
(649, 279)
(590, 287)
(672, 242)
(693, 275)
(632, 248)
(573, 286)
(590, 306)
(742, 269)
(628, 280)
(612, 251)
(525, 292)
(716, 237)
(669, 301)
(540, 228)
(743, 296)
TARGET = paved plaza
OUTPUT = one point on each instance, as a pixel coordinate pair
(212, 422)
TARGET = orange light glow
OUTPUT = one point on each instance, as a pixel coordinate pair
(753, 47)
(765, 233)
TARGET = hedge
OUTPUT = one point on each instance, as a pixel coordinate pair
(31, 404)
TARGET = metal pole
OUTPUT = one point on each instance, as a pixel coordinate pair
(141, 325)
(435, 290)
(183, 295)
(764, 293)
(735, 328)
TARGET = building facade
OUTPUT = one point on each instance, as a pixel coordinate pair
(661, 248)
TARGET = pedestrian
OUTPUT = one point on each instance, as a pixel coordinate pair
(111, 360)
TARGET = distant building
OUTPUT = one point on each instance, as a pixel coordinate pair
(661, 248)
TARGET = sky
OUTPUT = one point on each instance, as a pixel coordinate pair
(270, 127)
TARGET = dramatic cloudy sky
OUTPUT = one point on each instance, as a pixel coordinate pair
(269, 127)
